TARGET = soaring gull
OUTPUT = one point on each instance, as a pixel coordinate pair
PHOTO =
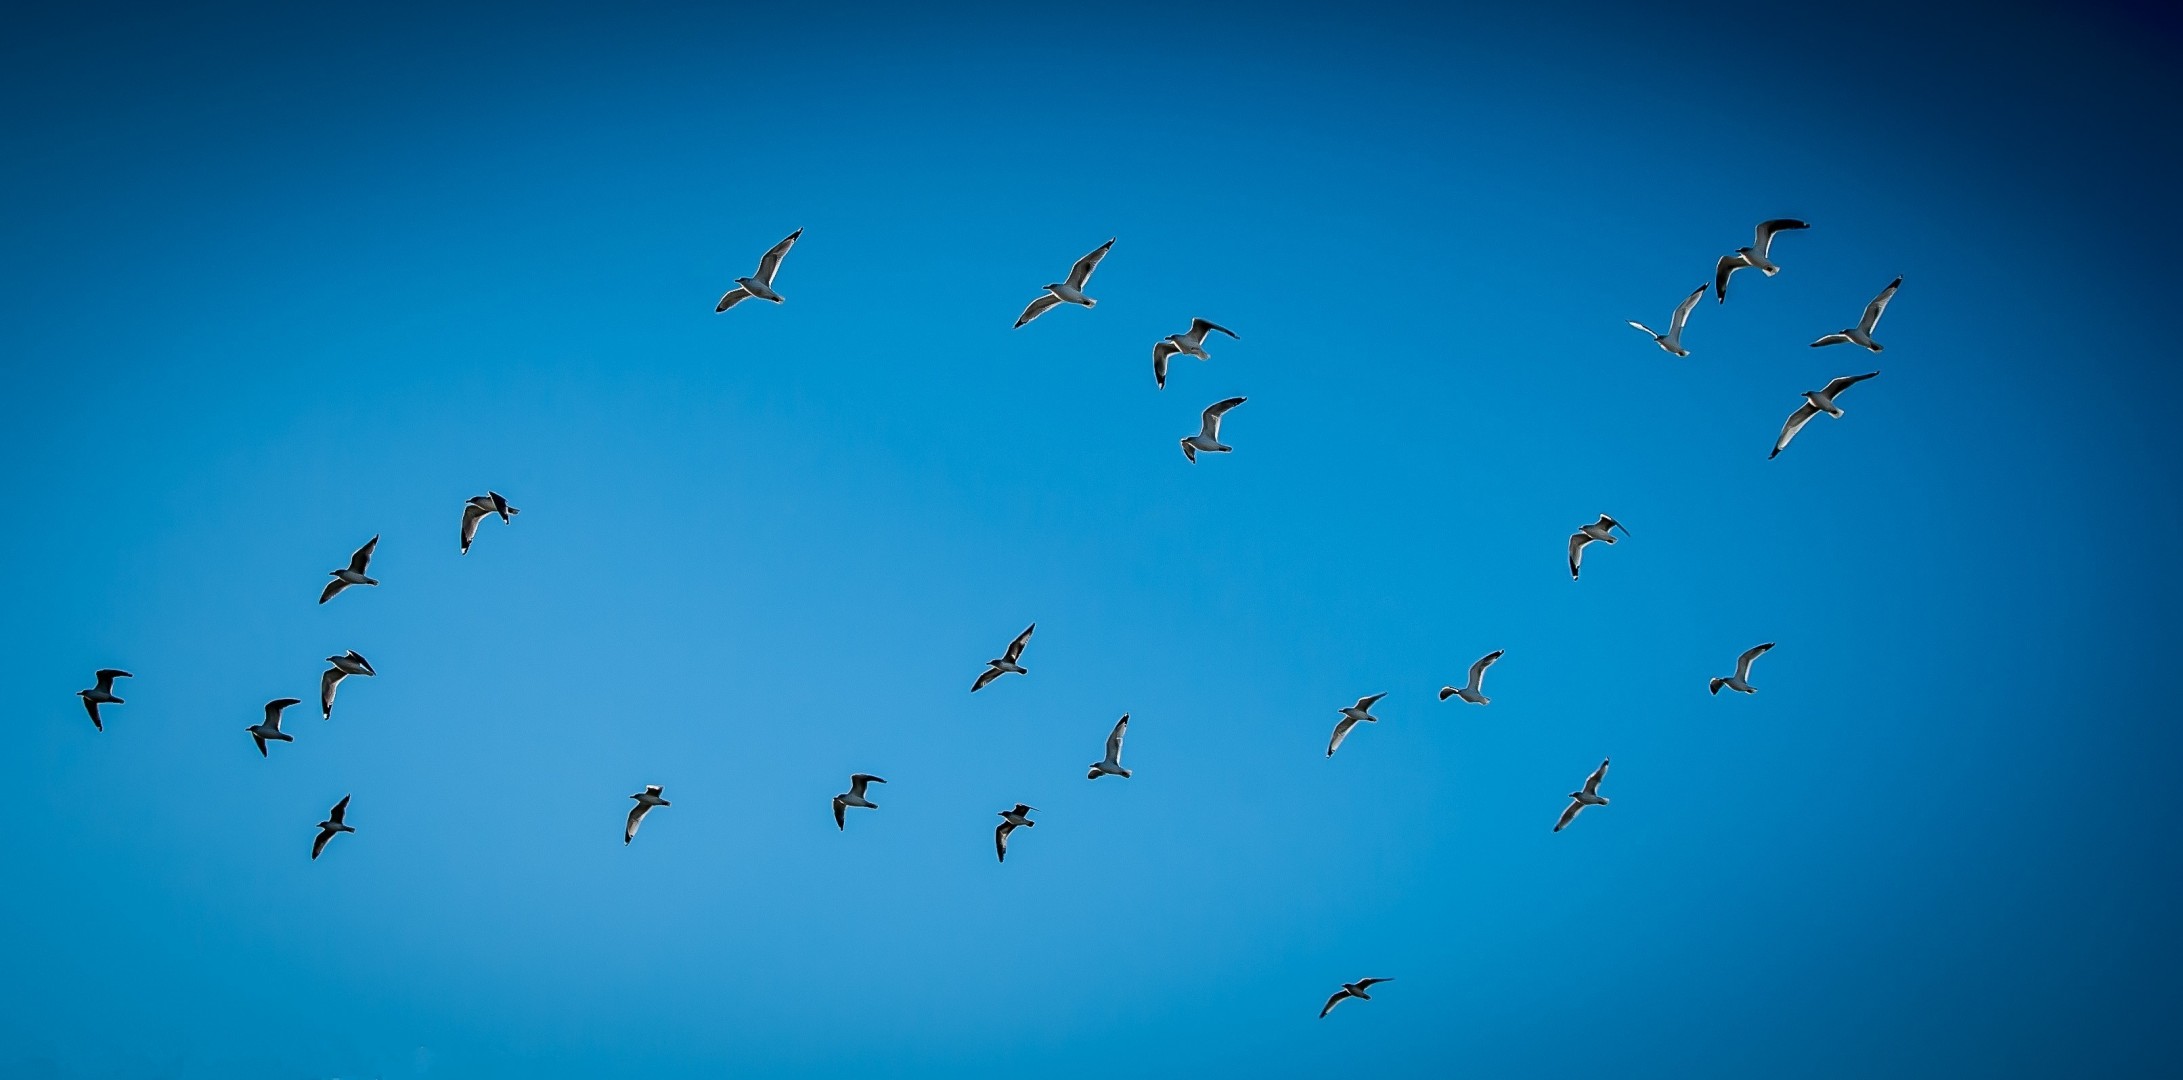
(1753, 256)
(270, 728)
(1111, 765)
(1362, 710)
(760, 284)
(854, 797)
(478, 509)
(1010, 819)
(1602, 530)
(646, 800)
(1474, 692)
(1350, 990)
(350, 663)
(1207, 440)
(1672, 341)
(1816, 402)
(1006, 664)
(352, 574)
(1861, 334)
(1072, 290)
(102, 694)
(1191, 343)
(1586, 796)
(1740, 682)
(333, 824)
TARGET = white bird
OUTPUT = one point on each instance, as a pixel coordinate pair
(478, 509)
(646, 800)
(1587, 796)
(1009, 820)
(1111, 765)
(1351, 990)
(1207, 440)
(854, 797)
(102, 694)
(352, 574)
(1603, 529)
(1362, 710)
(1071, 290)
(270, 729)
(1191, 343)
(333, 824)
(1474, 693)
(1753, 256)
(1006, 664)
(352, 663)
(1816, 402)
(1672, 341)
(1741, 680)
(1861, 334)
(760, 284)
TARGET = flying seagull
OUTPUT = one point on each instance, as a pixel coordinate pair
(1362, 710)
(1351, 990)
(853, 797)
(646, 800)
(1191, 343)
(1071, 290)
(1753, 256)
(1741, 680)
(1007, 664)
(102, 694)
(1603, 529)
(1474, 692)
(478, 509)
(761, 284)
(1111, 765)
(1672, 341)
(352, 574)
(1012, 818)
(333, 824)
(1588, 796)
(350, 663)
(1208, 437)
(1816, 402)
(270, 729)
(1861, 334)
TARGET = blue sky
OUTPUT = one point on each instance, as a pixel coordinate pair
(275, 281)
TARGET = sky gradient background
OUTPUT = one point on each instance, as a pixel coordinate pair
(273, 281)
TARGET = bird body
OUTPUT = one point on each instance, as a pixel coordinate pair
(102, 693)
(1111, 765)
(1740, 682)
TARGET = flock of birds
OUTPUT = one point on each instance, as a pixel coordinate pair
(1190, 343)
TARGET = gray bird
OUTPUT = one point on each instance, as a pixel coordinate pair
(1672, 341)
(102, 694)
(1816, 402)
(1351, 716)
(333, 824)
(1754, 256)
(1861, 334)
(1068, 291)
(1007, 662)
(646, 800)
(352, 574)
(345, 665)
(1207, 440)
(1189, 343)
(854, 797)
(1474, 691)
(1010, 820)
(760, 284)
(1111, 765)
(478, 509)
(1602, 530)
(1740, 682)
(1588, 795)
(270, 728)
(1351, 990)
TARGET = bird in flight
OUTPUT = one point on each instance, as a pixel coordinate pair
(1861, 334)
(1603, 529)
(333, 824)
(1672, 341)
(1010, 819)
(1474, 692)
(345, 665)
(760, 284)
(1207, 440)
(102, 694)
(646, 800)
(1753, 256)
(1586, 796)
(1006, 664)
(270, 728)
(1816, 402)
(1740, 682)
(854, 797)
(352, 574)
(1351, 990)
(478, 509)
(1071, 290)
(1111, 765)
(1190, 343)
(1362, 710)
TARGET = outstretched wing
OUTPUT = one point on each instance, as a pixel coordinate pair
(1210, 426)
(1478, 670)
(731, 298)
(1682, 311)
(1199, 327)
(1802, 416)
(1877, 306)
(1835, 387)
(340, 811)
(1114, 738)
(1763, 237)
(1576, 552)
(1831, 339)
(984, 677)
(1743, 663)
(472, 513)
(326, 686)
(1729, 264)
(1080, 274)
(1038, 307)
(1568, 814)
(1000, 839)
(1591, 783)
(1333, 1001)
(1341, 731)
(841, 815)
(1015, 648)
(92, 707)
(362, 559)
(1161, 353)
(771, 263)
(636, 817)
(319, 844)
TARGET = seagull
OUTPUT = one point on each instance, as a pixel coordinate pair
(1111, 765)
(1603, 529)
(1861, 334)
(852, 797)
(1071, 290)
(353, 663)
(1362, 710)
(646, 800)
(1473, 692)
(1589, 796)
(353, 574)
(1753, 256)
(1012, 818)
(270, 729)
(333, 824)
(477, 509)
(1816, 402)
(1186, 344)
(761, 285)
(102, 694)
(1741, 680)
(1672, 341)
(1208, 437)
(1007, 664)
(1351, 990)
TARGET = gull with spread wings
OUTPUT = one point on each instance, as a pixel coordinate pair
(1069, 291)
(760, 284)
